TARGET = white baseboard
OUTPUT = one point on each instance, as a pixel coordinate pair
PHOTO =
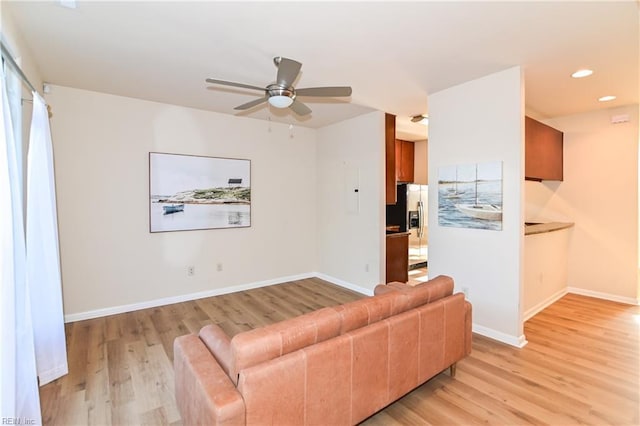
(345, 284)
(574, 290)
(540, 306)
(484, 331)
(605, 296)
(517, 341)
(97, 313)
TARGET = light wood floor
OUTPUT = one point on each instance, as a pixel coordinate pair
(580, 366)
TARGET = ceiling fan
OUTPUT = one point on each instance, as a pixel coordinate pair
(422, 119)
(282, 94)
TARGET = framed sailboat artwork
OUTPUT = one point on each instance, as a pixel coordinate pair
(470, 196)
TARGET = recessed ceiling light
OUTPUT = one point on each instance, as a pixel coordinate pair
(582, 73)
(606, 98)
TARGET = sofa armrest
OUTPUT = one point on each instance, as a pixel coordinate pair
(383, 289)
(204, 392)
(388, 288)
(219, 344)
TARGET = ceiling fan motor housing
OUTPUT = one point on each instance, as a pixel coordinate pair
(277, 90)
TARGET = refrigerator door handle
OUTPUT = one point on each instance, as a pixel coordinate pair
(420, 218)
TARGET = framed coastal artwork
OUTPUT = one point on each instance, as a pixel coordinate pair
(470, 196)
(188, 192)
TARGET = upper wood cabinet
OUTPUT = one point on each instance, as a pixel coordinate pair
(404, 161)
(420, 163)
(390, 158)
(543, 151)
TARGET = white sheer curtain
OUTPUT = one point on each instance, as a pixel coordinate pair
(43, 257)
(19, 399)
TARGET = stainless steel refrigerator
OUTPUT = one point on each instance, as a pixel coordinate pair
(417, 202)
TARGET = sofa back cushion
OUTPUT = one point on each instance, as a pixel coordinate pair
(367, 311)
(419, 293)
(262, 344)
(344, 380)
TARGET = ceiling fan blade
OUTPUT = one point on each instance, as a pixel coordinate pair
(300, 108)
(324, 91)
(288, 70)
(231, 83)
(252, 103)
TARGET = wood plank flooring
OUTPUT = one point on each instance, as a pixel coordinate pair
(581, 365)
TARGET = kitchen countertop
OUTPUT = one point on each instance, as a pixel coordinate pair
(397, 233)
(541, 228)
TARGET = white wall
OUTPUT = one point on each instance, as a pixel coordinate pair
(482, 121)
(545, 270)
(351, 236)
(600, 194)
(109, 258)
(12, 37)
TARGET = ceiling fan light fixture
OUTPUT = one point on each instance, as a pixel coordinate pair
(422, 119)
(280, 101)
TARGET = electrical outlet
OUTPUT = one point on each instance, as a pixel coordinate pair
(465, 290)
(366, 267)
(191, 271)
(219, 267)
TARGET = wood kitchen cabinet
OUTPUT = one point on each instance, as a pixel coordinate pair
(397, 259)
(404, 152)
(543, 151)
(390, 158)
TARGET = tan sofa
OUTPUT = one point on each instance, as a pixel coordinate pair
(335, 366)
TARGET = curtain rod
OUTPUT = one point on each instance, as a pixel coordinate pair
(7, 56)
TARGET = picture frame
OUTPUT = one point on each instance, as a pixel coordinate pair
(192, 192)
(470, 196)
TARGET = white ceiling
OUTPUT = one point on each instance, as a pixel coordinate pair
(393, 54)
